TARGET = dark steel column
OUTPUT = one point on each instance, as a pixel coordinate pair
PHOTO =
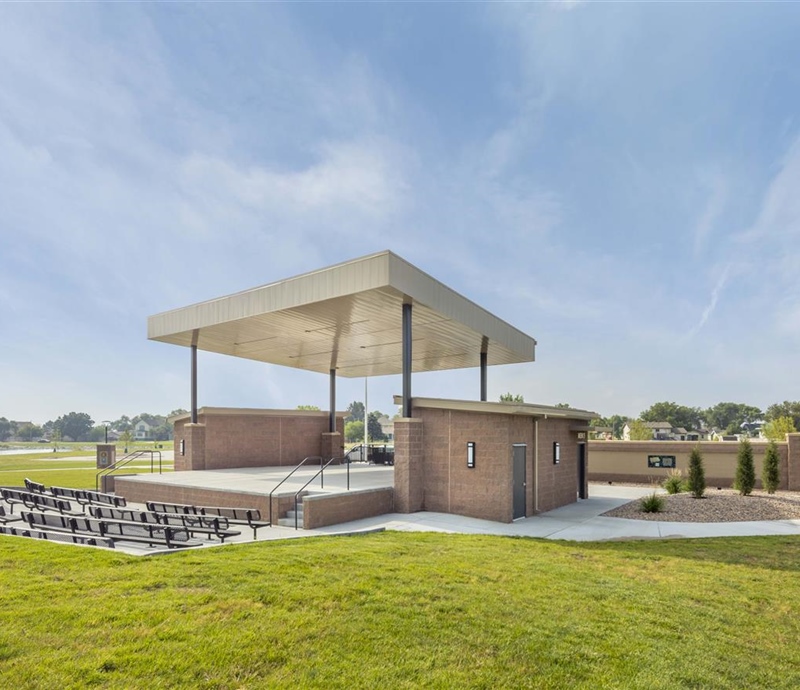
(194, 384)
(406, 360)
(332, 418)
(483, 377)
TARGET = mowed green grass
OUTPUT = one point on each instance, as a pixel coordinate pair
(404, 610)
(74, 468)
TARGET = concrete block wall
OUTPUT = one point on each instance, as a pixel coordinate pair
(444, 482)
(254, 438)
(321, 510)
(409, 469)
(484, 491)
(626, 461)
(558, 484)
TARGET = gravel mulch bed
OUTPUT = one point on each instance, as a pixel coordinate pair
(723, 505)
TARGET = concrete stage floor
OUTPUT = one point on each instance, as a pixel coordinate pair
(262, 480)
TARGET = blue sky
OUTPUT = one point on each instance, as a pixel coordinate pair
(619, 180)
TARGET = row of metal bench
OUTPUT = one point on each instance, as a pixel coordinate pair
(238, 516)
(58, 499)
(116, 530)
(69, 538)
(163, 524)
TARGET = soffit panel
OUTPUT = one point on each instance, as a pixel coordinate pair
(357, 331)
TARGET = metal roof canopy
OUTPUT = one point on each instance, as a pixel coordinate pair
(348, 318)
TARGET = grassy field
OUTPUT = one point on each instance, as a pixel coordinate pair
(400, 610)
(73, 467)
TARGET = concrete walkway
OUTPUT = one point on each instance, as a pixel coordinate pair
(580, 521)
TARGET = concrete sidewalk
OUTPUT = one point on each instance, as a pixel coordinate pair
(581, 521)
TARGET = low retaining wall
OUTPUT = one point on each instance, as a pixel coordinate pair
(322, 510)
(627, 461)
(141, 492)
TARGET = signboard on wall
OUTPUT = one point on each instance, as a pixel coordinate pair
(661, 461)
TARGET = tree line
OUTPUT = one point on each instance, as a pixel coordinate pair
(79, 426)
(726, 417)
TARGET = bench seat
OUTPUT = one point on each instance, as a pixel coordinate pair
(196, 524)
(238, 516)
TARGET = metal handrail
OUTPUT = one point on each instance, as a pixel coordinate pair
(129, 458)
(302, 488)
(303, 462)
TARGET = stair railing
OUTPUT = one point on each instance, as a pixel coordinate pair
(127, 460)
(303, 462)
(302, 488)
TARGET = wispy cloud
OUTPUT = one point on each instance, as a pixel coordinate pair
(711, 306)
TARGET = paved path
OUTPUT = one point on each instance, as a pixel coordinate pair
(580, 521)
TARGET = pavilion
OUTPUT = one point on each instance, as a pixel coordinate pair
(372, 316)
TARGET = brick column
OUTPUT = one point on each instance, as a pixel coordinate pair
(409, 474)
(332, 446)
(194, 457)
(793, 473)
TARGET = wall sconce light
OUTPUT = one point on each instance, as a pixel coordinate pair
(183, 447)
(470, 454)
(556, 452)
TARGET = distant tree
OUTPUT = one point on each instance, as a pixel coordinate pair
(730, 416)
(177, 413)
(355, 412)
(163, 432)
(124, 423)
(29, 432)
(784, 409)
(745, 469)
(375, 431)
(151, 419)
(511, 398)
(563, 406)
(639, 432)
(777, 429)
(353, 432)
(5, 429)
(697, 475)
(308, 407)
(770, 473)
(126, 438)
(97, 434)
(76, 425)
(616, 422)
(676, 415)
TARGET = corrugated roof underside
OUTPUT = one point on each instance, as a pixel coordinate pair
(348, 318)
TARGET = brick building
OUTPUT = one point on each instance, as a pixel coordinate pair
(498, 461)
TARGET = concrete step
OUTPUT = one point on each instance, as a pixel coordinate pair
(290, 514)
(289, 522)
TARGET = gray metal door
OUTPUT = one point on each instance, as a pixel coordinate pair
(519, 481)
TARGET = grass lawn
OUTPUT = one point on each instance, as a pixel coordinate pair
(404, 610)
(73, 468)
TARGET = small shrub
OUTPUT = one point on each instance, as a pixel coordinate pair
(652, 503)
(674, 483)
(770, 475)
(697, 475)
(745, 469)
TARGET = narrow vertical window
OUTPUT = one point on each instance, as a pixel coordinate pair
(556, 452)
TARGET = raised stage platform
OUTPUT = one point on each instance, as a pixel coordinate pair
(325, 501)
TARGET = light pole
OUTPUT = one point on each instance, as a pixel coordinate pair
(106, 424)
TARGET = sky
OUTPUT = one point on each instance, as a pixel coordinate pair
(621, 181)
